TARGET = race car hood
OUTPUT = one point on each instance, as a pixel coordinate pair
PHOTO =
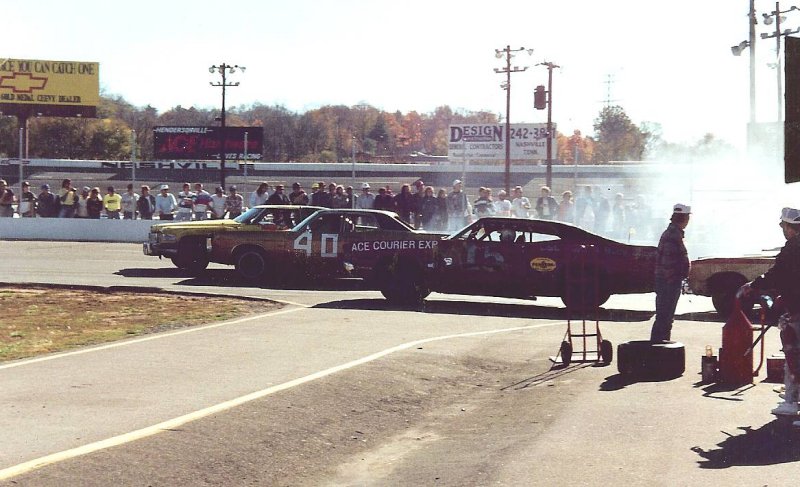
(197, 225)
(767, 255)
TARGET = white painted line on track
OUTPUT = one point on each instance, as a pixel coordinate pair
(155, 336)
(174, 423)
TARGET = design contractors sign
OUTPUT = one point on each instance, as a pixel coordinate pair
(486, 142)
(31, 87)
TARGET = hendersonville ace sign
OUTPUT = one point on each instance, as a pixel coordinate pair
(475, 142)
(203, 143)
(49, 88)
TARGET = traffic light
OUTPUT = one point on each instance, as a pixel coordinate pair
(791, 143)
(539, 98)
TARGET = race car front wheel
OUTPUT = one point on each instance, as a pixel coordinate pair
(191, 255)
(251, 265)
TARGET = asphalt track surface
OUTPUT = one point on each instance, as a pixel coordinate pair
(337, 388)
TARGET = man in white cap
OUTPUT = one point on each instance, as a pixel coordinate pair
(672, 267)
(166, 204)
(366, 201)
(783, 279)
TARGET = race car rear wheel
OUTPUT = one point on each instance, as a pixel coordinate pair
(582, 298)
(402, 283)
(583, 289)
(251, 264)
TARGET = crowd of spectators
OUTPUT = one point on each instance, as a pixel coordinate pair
(420, 205)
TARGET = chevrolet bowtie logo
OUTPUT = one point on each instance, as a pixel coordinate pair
(23, 82)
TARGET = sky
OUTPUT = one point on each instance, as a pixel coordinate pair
(666, 62)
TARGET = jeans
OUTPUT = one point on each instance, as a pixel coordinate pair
(667, 295)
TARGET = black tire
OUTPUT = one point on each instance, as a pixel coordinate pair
(606, 352)
(403, 283)
(178, 263)
(641, 359)
(724, 294)
(191, 256)
(251, 265)
(566, 352)
(582, 298)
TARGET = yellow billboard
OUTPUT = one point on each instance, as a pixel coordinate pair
(54, 87)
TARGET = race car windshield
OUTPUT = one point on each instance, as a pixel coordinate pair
(248, 216)
(304, 223)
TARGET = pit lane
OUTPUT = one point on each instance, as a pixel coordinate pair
(526, 439)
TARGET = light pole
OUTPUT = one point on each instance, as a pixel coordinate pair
(737, 51)
(507, 70)
(777, 34)
(223, 69)
(550, 66)
(353, 144)
(133, 158)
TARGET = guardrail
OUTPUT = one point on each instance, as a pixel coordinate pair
(75, 229)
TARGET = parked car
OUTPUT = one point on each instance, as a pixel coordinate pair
(370, 244)
(721, 277)
(520, 258)
(187, 244)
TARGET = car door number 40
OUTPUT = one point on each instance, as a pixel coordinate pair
(328, 245)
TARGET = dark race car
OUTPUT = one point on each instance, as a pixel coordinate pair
(371, 244)
(511, 257)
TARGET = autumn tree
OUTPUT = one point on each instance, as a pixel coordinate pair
(618, 139)
(575, 148)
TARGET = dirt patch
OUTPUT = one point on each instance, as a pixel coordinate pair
(43, 319)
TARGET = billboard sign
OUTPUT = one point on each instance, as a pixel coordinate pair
(203, 143)
(31, 87)
(486, 142)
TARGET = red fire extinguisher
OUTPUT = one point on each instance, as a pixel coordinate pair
(736, 356)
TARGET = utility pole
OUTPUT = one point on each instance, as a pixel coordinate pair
(768, 18)
(509, 53)
(223, 69)
(752, 43)
(550, 66)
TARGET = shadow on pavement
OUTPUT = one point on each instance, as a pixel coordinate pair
(229, 278)
(617, 382)
(551, 374)
(483, 309)
(771, 444)
(707, 316)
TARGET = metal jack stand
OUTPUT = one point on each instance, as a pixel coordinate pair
(582, 282)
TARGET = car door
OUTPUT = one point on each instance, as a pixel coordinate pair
(478, 262)
(361, 231)
(541, 262)
(318, 246)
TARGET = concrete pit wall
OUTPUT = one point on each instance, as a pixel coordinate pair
(75, 229)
